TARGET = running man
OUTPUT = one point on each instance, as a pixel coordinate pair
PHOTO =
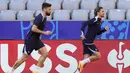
(32, 40)
(91, 52)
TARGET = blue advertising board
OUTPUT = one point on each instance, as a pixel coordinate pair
(63, 30)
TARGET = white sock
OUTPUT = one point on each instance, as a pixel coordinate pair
(85, 61)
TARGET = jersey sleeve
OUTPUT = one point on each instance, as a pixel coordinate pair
(83, 27)
(37, 20)
(101, 31)
(93, 21)
(89, 23)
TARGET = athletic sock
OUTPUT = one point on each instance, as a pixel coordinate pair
(85, 61)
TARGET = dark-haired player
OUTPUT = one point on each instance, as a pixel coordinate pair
(32, 40)
(91, 52)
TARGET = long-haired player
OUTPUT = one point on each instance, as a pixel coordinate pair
(91, 52)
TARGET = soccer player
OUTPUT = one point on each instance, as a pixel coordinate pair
(91, 52)
(32, 40)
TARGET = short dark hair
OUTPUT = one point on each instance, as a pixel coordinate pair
(96, 10)
(45, 5)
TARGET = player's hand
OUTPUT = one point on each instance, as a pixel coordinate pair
(107, 28)
(47, 33)
(82, 37)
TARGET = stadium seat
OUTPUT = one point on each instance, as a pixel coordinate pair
(91, 14)
(8, 15)
(39, 11)
(57, 0)
(70, 4)
(3, 5)
(128, 15)
(34, 4)
(80, 14)
(37, 0)
(19, 0)
(107, 4)
(123, 4)
(17, 5)
(88, 4)
(56, 4)
(25, 15)
(61, 15)
(93, 0)
(116, 14)
(7, 0)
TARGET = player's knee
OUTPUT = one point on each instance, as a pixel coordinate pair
(98, 56)
(46, 54)
(25, 57)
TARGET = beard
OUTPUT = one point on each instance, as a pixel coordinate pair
(48, 14)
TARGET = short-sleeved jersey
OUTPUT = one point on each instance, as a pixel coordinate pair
(40, 22)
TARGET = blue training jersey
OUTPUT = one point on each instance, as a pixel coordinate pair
(40, 22)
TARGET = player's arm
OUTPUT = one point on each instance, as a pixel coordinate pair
(35, 29)
(103, 30)
(89, 22)
(83, 27)
(36, 23)
(82, 30)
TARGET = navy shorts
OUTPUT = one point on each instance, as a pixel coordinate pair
(89, 49)
(30, 45)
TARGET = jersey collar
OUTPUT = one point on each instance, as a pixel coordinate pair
(97, 17)
(43, 16)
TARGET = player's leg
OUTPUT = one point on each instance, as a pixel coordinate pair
(92, 58)
(95, 55)
(86, 56)
(20, 61)
(26, 53)
(44, 54)
(40, 47)
(86, 53)
(81, 65)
